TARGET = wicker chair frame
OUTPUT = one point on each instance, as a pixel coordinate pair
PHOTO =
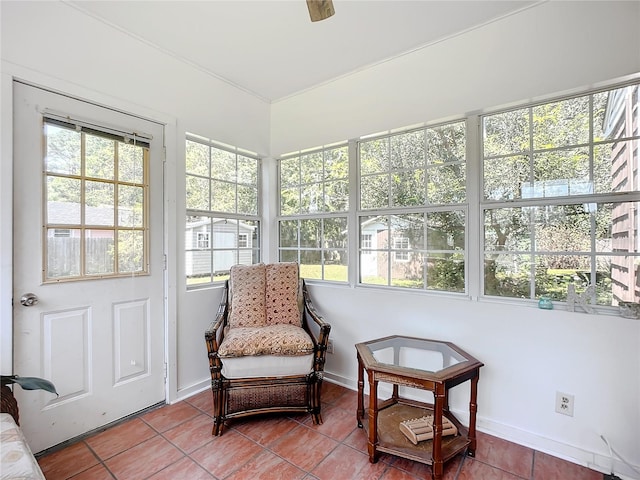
(240, 397)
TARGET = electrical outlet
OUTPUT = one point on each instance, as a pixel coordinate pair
(564, 403)
(330, 346)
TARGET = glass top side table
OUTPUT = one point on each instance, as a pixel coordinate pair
(420, 363)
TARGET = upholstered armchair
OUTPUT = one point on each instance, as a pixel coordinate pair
(266, 346)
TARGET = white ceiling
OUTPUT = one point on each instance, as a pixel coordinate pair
(271, 48)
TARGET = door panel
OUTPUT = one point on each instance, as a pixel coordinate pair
(99, 340)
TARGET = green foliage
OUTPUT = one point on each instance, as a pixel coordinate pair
(29, 383)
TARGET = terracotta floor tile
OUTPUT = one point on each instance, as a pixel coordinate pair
(267, 466)
(505, 455)
(546, 467)
(475, 470)
(144, 459)
(348, 401)
(192, 434)
(99, 472)
(331, 392)
(225, 454)
(202, 401)
(304, 447)
(396, 474)
(70, 461)
(358, 440)
(265, 429)
(120, 437)
(183, 469)
(337, 423)
(345, 463)
(169, 416)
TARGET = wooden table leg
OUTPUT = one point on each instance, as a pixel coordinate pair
(373, 419)
(437, 466)
(360, 411)
(473, 409)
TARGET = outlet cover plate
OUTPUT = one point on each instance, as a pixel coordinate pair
(564, 403)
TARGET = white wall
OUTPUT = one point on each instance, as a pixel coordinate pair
(529, 354)
(54, 45)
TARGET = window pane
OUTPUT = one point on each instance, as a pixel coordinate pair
(63, 254)
(99, 203)
(408, 188)
(62, 150)
(445, 272)
(375, 191)
(507, 275)
(130, 163)
(560, 173)
(310, 233)
(335, 232)
(292, 256)
(615, 166)
(506, 133)
(63, 200)
(197, 193)
(247, 200)
(374, 156)
(223, 165)
(336, 163)
(617, 279)
(99, 252)
(197, 158)
(223, 260)
(311, 168)
(130, 251)
(336, 196)
(335, 265)
(311, 264)
(223, 196)
(290, 171)
(507, 229)
(561, 123)
(612, 112)
(446, 231)
(446, 184)
(407, 150)
(410, 229)
(99, 157)
(407, 269)
(446, 143)
(563, 228)
(289, 233)
(130, 204)
(289, 201)
(505, 178)
(247, 170)
(554, 273)
(312, 200)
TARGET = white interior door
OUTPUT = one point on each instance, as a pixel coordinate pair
(88, 244)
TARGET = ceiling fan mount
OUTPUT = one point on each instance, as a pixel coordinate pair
(320, 9)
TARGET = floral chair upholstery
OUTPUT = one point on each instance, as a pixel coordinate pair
(266, 346)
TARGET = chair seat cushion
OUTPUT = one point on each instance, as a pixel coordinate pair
(267, 366)
(269, 340)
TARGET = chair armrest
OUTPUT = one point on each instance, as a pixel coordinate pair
(322, 338)
(215, 333)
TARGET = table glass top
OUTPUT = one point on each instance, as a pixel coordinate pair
(421, 354)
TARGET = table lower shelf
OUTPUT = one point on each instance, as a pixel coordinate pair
(391, 440)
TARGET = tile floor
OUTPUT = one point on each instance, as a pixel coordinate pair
(174, 442)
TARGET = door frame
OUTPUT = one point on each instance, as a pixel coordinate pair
(9, 74)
